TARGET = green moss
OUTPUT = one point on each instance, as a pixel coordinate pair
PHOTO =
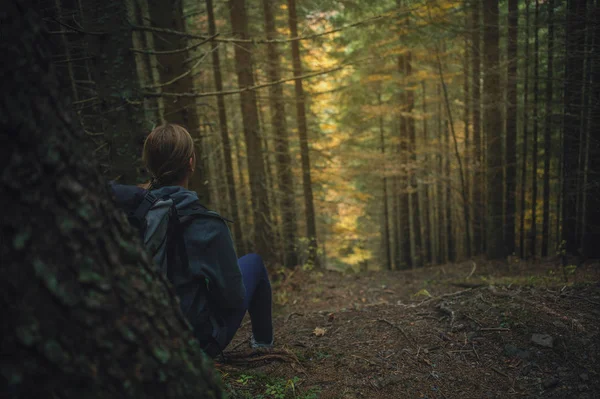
(161, 354)
(55, 353)
(21, 239)
(28, 334)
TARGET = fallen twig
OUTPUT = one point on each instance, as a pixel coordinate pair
(472, 270)
(444, 308)
(292, 314)
(398, 328)
(494, 329)
(365, 359)
(257, 356)
(500, 372)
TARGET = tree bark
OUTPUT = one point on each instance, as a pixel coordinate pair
(172, 67)
(575, 46)
(426, 224)
(224, 130)
(534, 186)
(116, 88)
(386, 214)
(256, 164)
(85, 314)
(511, 126)
(493, 131)
(415, 211)
(522, 234)
(548, 130)
(282, 150)
(591, 236)
(478, 204)
(309, 209)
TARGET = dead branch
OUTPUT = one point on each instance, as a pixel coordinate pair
(389, 14)
(472, 270)
(292, 314)
(180, 50)
(238, 91)
(410, 341)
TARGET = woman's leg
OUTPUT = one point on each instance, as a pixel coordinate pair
(257, 301)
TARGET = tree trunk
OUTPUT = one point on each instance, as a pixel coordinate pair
(224, 130)
(283, 157)
(311, 226)
(522, 234)
(426, 224)
(493, 131)
(85, 314)
(511, 126)
(467, 197)
(575, 47)
(256, 165)
(441, 191)
(386, 215)
(548, 130)
(172, 69)
(478, 205)
(116, 83)
(591, 236)
(414, 213)
(534, 186)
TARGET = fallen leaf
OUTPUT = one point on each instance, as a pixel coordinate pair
(422, 292)
(319, 332)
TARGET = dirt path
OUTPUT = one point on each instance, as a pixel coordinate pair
(428, 334)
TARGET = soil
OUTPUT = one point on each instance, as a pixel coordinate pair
(471, 330)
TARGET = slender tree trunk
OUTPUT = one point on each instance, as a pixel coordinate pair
(427, 236)
(451, 242)
(478, 205)
(591, 235)
(249, 109)
(493, 131)
(386, 215)
(414, 211)
(283, 157)
(548, 130)
(72, 281)
(584, 134)
(242, 188)
(397, 251)
(442, 183)
(311, 229)
(463, 184)
(172, 66)
(224, 130)
(511, 126)
(467, 197)
(522, 234)
(575, 46)
(534, 189)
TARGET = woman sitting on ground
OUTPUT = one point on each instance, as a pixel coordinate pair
(234, 285)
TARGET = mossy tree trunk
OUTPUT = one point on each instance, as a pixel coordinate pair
(84, 315)
(117, 88)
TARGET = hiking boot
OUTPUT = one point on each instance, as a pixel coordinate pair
(260, 345)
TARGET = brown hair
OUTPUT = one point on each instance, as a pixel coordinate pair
(167, 152)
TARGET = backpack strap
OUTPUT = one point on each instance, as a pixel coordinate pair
(187, 215)
(144, 206)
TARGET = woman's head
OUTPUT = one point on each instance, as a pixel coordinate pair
(169, 155)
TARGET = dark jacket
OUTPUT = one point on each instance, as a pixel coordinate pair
(211, 259)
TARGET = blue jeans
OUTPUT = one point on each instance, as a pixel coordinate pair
(257, 301)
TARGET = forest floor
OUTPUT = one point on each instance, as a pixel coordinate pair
(453, 331)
